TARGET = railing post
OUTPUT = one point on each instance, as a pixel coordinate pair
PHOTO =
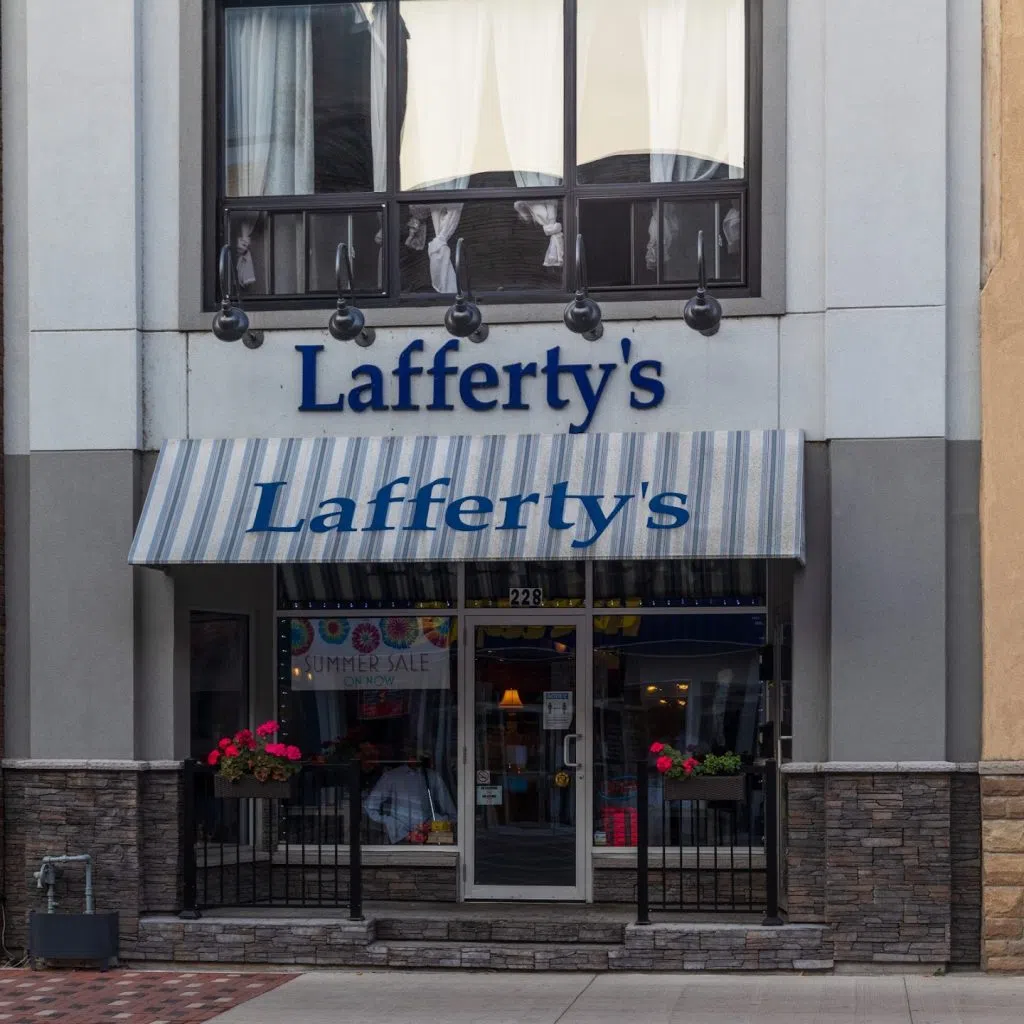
(189, 911)
(643, 897)
(771, 842)
(355, 847)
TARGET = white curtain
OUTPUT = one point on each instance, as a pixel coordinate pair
(447, 51)
(694, 100)
(379, 93)
(528, 58)
(268, 111)
(375, 14)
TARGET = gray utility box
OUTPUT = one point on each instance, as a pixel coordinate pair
(73, 937)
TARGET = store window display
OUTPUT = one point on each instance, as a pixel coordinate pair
(381, 690)
(691, 681)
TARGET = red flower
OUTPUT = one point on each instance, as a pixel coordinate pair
(657, 748)
(277, 750)
(231, 750)
(213, 757)
(244, 738)
(224, 743)
(663, 764)
(293, 753)
(267, 728)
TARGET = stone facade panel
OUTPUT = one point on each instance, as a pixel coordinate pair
(1002, 810)
(73, 812)
(891, 860)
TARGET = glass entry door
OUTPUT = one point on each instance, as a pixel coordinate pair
(527, 748)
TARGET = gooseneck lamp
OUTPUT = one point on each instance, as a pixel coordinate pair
(230, 322)
(347, 323)
(703, 312)
(463, 318)
(583, 314)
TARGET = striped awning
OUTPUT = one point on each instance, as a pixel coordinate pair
(712, 494)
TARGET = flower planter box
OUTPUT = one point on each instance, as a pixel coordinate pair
(707, 787)
(252, 789)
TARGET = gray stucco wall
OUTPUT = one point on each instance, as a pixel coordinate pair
(811, 615)
(81, 606)
(18, 672)
(888, 600)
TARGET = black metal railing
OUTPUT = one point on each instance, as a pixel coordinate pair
(709, 856)
(303, 849)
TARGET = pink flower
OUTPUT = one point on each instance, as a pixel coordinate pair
(224, 743)
(277, 749)
(267, 728)
(243, 738)
(657, 748)
(293, 753)
(213, 757)
(663, 764)
(231, 750)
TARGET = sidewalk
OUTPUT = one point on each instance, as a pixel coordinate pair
(408, 997)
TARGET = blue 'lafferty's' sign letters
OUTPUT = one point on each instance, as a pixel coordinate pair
(480, 387)
(471, 513)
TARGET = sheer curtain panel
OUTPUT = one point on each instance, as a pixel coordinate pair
(528, 58)
(268, 110)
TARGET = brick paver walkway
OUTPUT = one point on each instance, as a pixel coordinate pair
(126, 997)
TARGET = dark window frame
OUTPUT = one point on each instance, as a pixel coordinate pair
(217, 208)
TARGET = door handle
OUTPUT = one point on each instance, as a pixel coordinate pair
(575, 738)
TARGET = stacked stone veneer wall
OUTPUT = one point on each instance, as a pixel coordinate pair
(891, 860)
(262, 884)
(162, 850)
(965, 866)
(127, 819)
(1002, 804)
(128, 816)
(741, 890)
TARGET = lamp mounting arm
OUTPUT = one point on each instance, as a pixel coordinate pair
(703, 313)
(583, 314)
(348, 323)
(463, 318)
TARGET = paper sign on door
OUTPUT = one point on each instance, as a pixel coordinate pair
(488, 796)
(558, 709)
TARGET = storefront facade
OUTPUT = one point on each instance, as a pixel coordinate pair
(495, 566)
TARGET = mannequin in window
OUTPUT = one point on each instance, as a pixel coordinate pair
(407, 797)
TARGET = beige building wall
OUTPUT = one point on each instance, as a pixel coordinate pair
(1002, 497)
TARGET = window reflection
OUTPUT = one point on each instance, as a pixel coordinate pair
(562, 584)
(367, 585)
(712, 582)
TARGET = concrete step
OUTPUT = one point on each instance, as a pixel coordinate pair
(496, 956)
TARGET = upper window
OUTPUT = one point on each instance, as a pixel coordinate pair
(398, 125)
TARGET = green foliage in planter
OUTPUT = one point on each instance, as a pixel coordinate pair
(719, 764)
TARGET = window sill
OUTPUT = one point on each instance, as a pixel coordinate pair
(520, 313)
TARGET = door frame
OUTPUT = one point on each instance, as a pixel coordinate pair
(582, 619)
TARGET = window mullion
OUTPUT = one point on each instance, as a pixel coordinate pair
(569, 218)
(392, 240)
